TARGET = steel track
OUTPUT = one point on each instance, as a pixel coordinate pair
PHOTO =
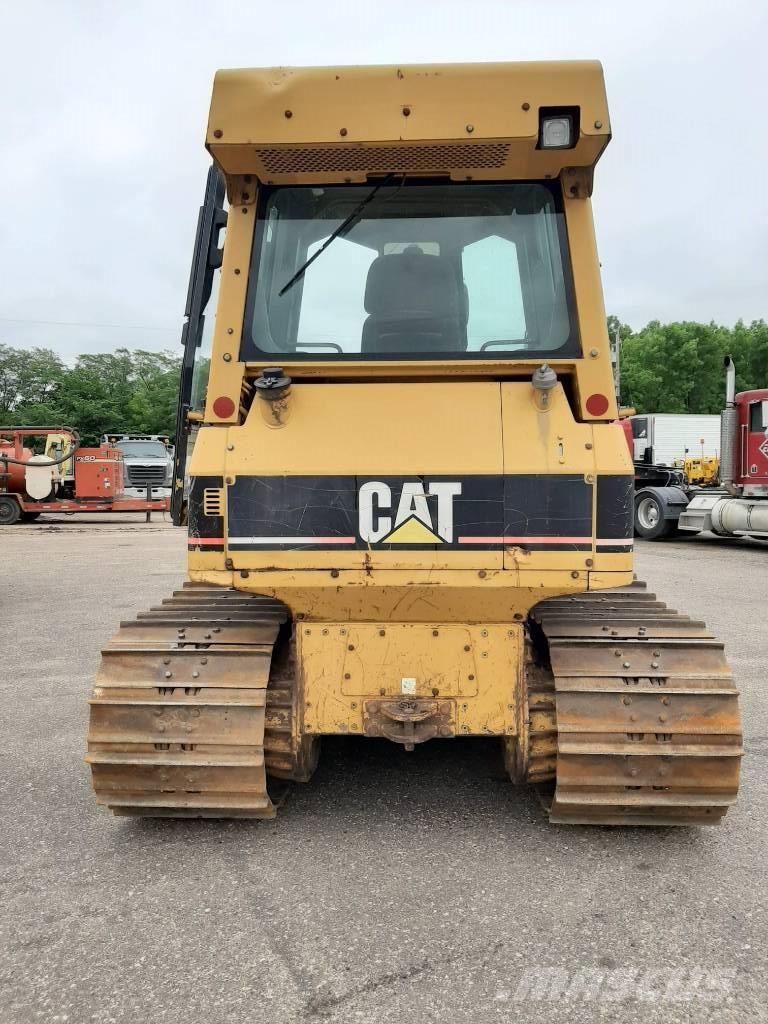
(191, 708)
(639, 706)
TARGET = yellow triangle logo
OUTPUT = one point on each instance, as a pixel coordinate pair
(412, 531)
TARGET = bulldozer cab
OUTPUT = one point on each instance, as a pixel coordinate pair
(408, 250)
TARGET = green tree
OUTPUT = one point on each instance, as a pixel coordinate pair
(155, 396)
(29, 382)
(616, 329)
(130, 392)
(749, 348)
(678, 367)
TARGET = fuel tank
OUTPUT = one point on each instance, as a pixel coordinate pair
(15, 480)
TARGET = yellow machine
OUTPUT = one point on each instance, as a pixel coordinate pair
(407, 498)
(701, 471)
(57, 445)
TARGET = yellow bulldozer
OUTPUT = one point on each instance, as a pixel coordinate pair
(409, 507)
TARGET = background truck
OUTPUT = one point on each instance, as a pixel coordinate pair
(148, 463)
(666, 502)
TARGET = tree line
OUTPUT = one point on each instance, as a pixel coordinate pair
(678, 367)
(126, 391)
(675, 367)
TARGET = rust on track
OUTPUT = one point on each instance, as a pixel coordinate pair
(641, 708)
(193, 704)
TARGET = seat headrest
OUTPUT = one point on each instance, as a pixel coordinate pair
(412, 283)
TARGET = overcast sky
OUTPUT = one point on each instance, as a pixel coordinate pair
(104, 107)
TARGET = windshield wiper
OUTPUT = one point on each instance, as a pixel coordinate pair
(340, 230)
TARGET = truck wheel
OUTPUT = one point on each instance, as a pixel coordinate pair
(649, 518)
(9, 511)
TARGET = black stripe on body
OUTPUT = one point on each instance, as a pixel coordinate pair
(615, 507)
(490, 507)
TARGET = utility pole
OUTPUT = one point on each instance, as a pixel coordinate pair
(615, 347)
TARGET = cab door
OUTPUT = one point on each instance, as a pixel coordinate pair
(756, 461)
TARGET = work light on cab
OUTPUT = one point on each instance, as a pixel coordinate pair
(557, 132)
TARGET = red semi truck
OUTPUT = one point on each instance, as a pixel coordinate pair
(665, 504)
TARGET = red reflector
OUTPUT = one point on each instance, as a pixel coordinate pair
(597, 405)
(223, 407)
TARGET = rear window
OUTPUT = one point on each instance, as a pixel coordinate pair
(410, 270)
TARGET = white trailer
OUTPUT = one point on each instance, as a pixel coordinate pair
(661, 438)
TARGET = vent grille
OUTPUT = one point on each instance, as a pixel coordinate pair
(213, 501)
(437, 157)
(140, 476)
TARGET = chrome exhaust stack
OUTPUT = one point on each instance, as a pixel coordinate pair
(729, 429)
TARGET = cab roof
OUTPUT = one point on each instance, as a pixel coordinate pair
(463, 121)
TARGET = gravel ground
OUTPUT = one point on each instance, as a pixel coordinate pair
(393, 887)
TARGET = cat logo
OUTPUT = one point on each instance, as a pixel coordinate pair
(423, 514)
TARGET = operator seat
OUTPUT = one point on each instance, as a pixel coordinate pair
(414, 304)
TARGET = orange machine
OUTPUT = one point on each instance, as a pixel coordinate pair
(99, 472)
(31, 485)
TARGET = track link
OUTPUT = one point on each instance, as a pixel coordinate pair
(193, 705)
(645, 712)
